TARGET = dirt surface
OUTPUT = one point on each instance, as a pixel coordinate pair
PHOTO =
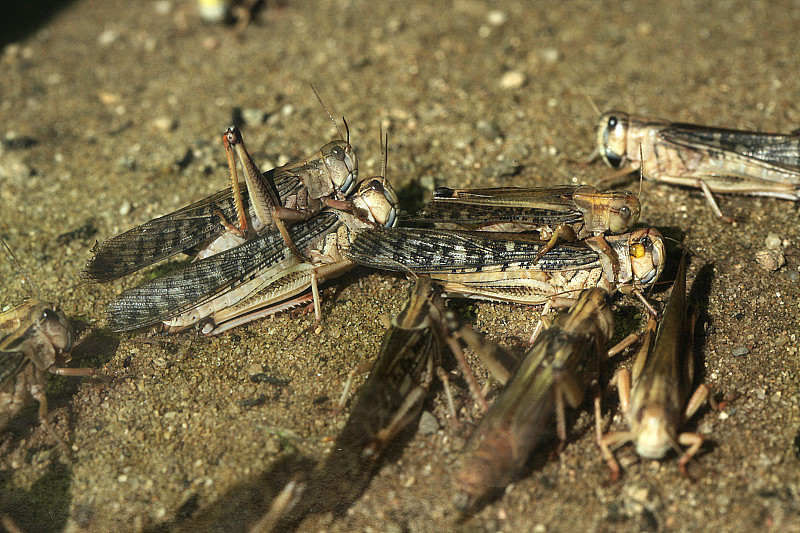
(110, 115)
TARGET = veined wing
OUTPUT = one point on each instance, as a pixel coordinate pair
(775, 148)
(198, 282)
(173, 233)
(431, 250)
(531, 205)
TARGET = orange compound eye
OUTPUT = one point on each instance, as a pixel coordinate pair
(637, 250)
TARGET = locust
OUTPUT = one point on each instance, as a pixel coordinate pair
(713, 159)
(557, 369)
(659, 402)
(295, 191)
(259, 276)
(35, 339)
(566, 212)
(506, 266)
(402, 373)
(389, 400)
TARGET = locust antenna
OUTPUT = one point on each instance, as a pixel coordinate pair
(641, 170)
(384, 152)
(319, 99)
(21, 270)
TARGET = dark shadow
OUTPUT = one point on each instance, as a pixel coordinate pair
(242, 506)
(45, 507)
(20, 19)
(412, 196)
(698, 298)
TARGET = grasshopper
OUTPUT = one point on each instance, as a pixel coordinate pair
(566, 212)
(294, 191)
(401, 375)
(504, 266)
(557, 369)
(248, 281)
(715, 160)
(387, 402)
(659, 402)
(34, 336)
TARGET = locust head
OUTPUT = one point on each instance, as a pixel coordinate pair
(375, 198)
(613, 211)
(49, 334)
(341, 164)
(648, 255)
(653, 432)
(612, 138)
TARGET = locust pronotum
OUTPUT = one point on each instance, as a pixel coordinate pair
(556, 370)
(34, 336)
(302, 188)
(659, 402)
(715, 160)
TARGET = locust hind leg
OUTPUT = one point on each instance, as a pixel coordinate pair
(265, 199)
(38, 392)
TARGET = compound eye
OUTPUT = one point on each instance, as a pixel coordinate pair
(376, 185)
(612, 122)
(338, 153)
(625, 212)
(637, 250)
(613, 158)
(49, 314)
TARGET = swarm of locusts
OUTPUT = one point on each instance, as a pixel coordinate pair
(266, 246)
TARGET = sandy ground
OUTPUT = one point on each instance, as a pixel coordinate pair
(110, 114)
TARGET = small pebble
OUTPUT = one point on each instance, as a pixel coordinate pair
(770, 259)
(428, 424)
(212, 10)
(125, 208)
(254, 369)
(489, 130)
(164, 123)
(513, 79)
(253, 116)
(550, 55)
(740, 351)
(773, 242)
(781, 340)
(496, 17)
(107, 37)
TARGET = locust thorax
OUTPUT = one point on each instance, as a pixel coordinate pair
(612, 138)
(376, 201)
(607, 211)
(653, 438)
(341, 165)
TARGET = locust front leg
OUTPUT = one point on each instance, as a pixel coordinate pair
(562, 232)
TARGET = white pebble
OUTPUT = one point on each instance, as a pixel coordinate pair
(513, 79)
(496, 17)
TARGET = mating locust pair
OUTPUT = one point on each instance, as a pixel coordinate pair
(259, 267)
